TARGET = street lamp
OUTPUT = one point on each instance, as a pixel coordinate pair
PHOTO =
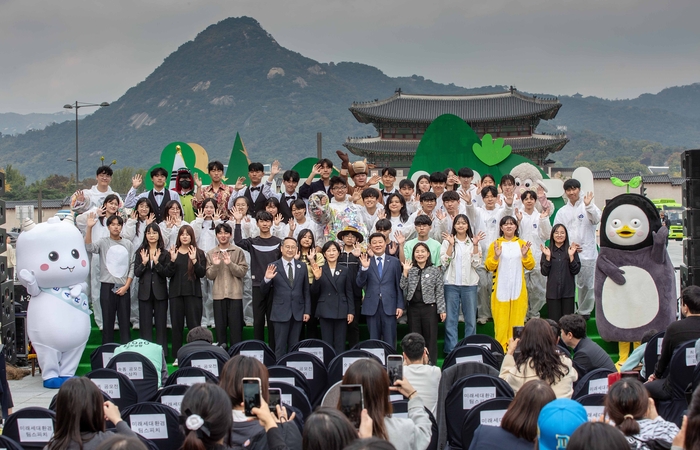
(77, 105)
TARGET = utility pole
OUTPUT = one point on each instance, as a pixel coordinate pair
(319, 145)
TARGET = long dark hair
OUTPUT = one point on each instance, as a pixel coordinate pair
(79, 409)
(403, 212)
(109, 198)
(627, 401)
(427, 177)
(193, 242)
(428, 263)
(538, 348)
(505, 220)
(240, 367)
(375, 390)
(552, 245)
(302, 234)
(145, 244)
(327, 429)
(211, 403)
(520, 419)
(147, 201)
(170, 205)
(216, 208)
(464, 217)
(597, 436)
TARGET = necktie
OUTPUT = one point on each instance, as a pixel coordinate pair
(290, 274)
(380, 266)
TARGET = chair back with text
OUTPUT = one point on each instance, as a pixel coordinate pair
(481, 340)
(205, 359)
(593, 382)
(9, 444)
(172, 395)
(54, 399)
(340, 363)
(31, 427)
(380, 348)
(652, 352)
(316, 347)
(470, 353)
(313, 370)
(191, 375)
(680, 376)
(115, 384)
(487, 413)
(140, 370)
(156, 422)
(467, 393)
(100, 357)
(256, 349)
(293, 396)
(285, 374)
(594, 405)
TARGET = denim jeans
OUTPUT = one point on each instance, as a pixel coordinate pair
(456, 296)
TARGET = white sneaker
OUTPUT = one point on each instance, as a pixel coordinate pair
(175, 363)
(135, 326)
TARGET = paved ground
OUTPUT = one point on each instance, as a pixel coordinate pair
(30, 391)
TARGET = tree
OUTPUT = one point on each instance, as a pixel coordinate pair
(15, 183)
(121, 179)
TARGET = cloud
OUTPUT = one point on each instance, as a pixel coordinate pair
(57, 52)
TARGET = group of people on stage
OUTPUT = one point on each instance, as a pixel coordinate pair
(331, 250)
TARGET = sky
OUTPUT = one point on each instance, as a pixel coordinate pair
(57, 52)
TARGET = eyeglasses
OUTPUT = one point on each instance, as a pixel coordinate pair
(340, 188)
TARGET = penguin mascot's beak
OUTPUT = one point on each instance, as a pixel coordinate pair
(625, 232)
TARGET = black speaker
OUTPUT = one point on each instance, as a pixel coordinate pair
(7, 311)
(691, 193)
(690, 164)
(3, 240)
(690, 276)
(21, 297)
(691, 252)
(691, 223)
(2, 183)
(9, 340)
(3, 214)
(3, 269)
(22, 340)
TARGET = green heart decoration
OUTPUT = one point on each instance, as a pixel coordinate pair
(491, 152)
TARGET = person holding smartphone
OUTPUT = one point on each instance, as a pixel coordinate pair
(423, 376)
(245, 429)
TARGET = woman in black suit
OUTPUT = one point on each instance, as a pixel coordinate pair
(150, 266)
(186, 268)
(333, 287)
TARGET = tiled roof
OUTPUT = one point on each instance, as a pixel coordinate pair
(624, 176)
(677, 181)
(602, 174)
(364, 146)
(656, 179)
(471, 108)
(52, 204)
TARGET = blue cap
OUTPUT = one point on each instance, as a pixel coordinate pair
(557, 422)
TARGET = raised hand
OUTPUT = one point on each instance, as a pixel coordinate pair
(237, 215)
(197, 180)
(518, 215)
(381, 214)
(79, 196)
(497, 249)
(156, 256)
(136, 181)
(478, 237)
(226, 257)
(465, 195)
(270, 272)
(374, 180)
(217, 215)
(525, 248)
(440, 214)
(192, 253)
(151, 218)
(298, 255)
(200, 214)
(364, 260)
(91, 220)
(344, 158)
(587, 198)
(545, 251)
(407, 267)
(102, 211)
(312, 254)
(400, 238)
(135, 215)
(509, 200)
(573, 248)
(144, 255)
(173, 253)
(278, 219)
(356, 196)
(169, 222)
(240, 184)
(274, 168)
(449, 238)
(292, 224)
(316, 270)
(216, 258)
(393, 247)
(356, 249)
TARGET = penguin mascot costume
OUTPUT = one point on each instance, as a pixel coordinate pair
(52, 264)
(635, 286)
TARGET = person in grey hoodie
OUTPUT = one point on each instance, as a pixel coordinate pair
(80, 417)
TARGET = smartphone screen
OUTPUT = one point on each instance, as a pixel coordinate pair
(251, 395)
(517, 331)
(394, 365)
(275, 398)
(351, 402)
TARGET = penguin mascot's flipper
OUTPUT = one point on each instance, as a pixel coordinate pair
(635, 286)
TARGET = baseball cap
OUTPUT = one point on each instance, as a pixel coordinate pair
(557, 422)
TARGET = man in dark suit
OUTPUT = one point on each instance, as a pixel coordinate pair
(379, 275)
(159, 195)
(254, 193)
(288, 279)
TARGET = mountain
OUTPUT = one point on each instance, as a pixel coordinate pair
(14, 124)
(234, 77)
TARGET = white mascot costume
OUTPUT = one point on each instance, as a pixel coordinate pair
(52, 264)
